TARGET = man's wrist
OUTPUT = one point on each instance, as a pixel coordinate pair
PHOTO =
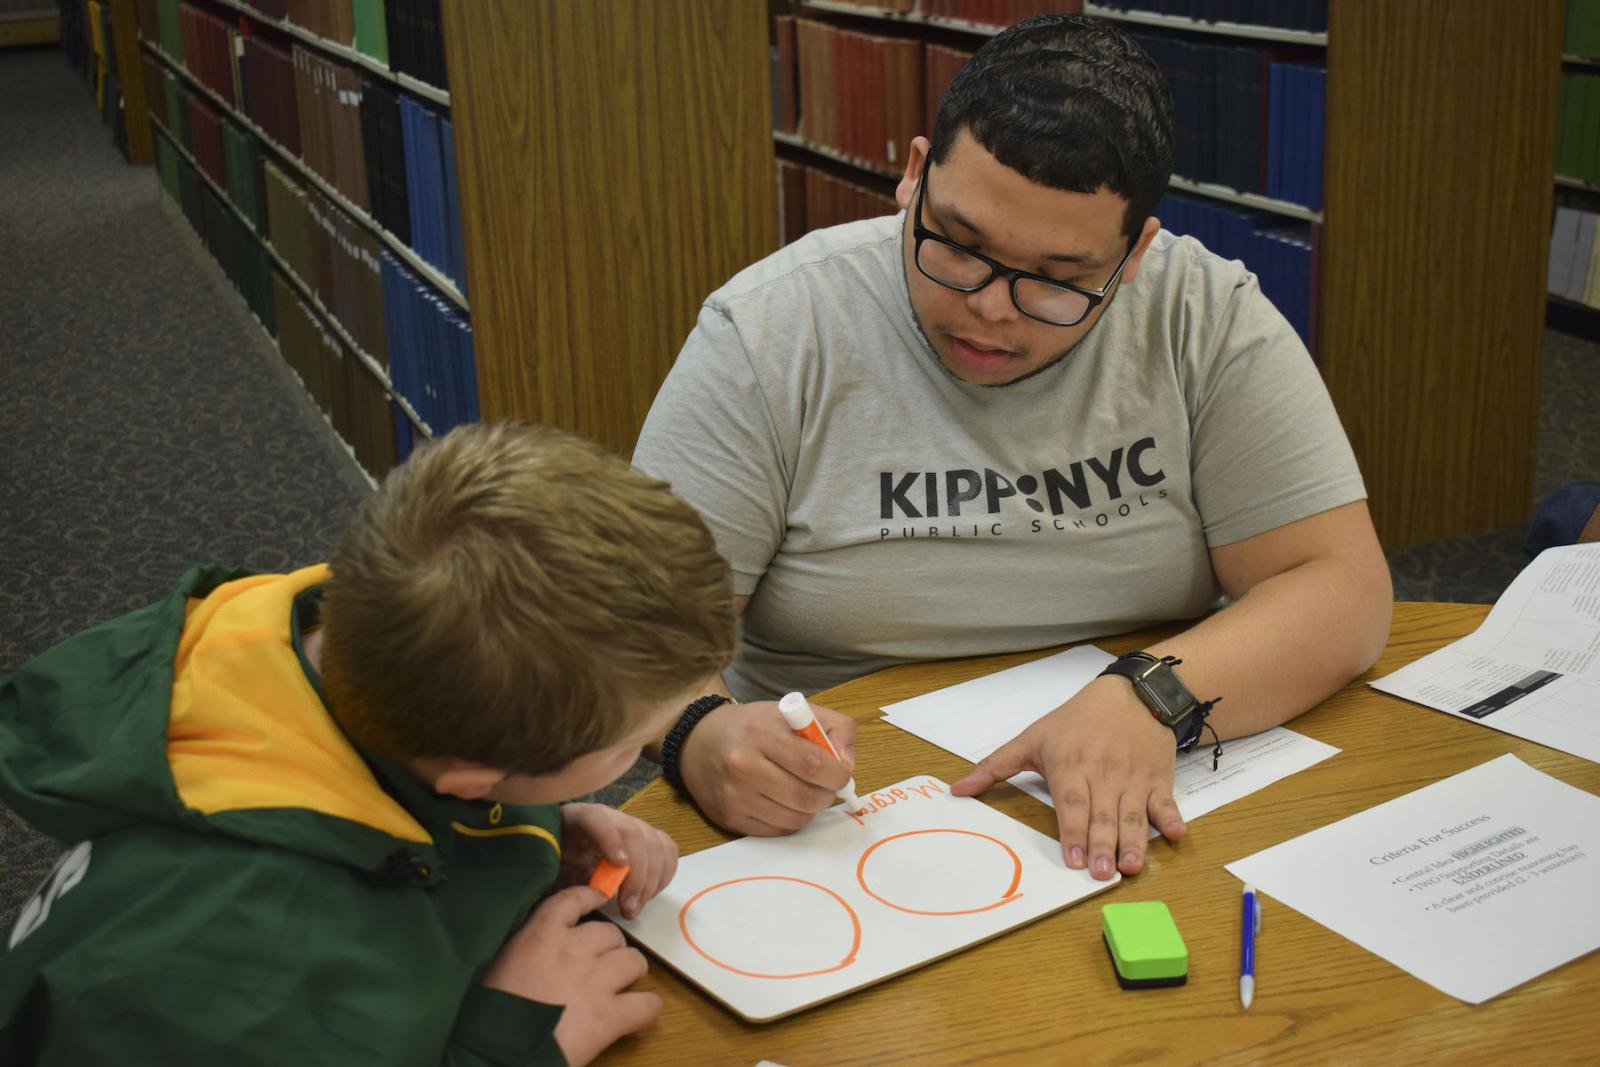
(672, 745)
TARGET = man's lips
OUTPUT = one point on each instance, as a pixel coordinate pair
(979, 357)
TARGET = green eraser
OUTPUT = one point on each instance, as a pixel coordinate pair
(1146, 948)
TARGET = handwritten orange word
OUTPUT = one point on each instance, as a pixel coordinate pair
(888, 798)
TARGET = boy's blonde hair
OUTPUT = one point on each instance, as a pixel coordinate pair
(514, 595)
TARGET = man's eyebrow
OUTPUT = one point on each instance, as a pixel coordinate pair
(1085, 260)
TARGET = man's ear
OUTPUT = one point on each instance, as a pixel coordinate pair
(916, 157)
(1152, 226)
(465, 780)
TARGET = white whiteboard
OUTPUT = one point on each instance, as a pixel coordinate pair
(772, 925)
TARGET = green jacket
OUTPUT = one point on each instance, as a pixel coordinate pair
(242, 884)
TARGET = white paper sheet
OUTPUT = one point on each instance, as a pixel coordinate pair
(1532, 668)
(974, 718)
(1474, 884)
(771, 925)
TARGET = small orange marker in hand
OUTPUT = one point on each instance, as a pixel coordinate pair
(608, 877)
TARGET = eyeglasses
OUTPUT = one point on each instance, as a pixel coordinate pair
(958, 267)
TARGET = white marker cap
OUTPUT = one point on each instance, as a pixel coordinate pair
(796, 712)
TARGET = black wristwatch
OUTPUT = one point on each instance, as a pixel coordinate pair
(1163, 692)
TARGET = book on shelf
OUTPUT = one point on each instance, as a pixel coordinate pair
(372, 30)
(334, 256)
(416, 45)
(1574, 266)
(810, 198)
(356, 403)
(940, 64)
(431, 361)
(859, 94)
(996, 13)
(1309, 16)
(1578, 127)
(388, 154)
(785, 88)
(1247, 117)
(384, 147)
(1281, 254)
(1582, 34)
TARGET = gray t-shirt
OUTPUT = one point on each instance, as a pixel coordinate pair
(878, 510)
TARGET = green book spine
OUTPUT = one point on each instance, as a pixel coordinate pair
(372, 35)
(171, 33)
(169, 85)
(1566, 127)
(250, 179)
(1581, 134)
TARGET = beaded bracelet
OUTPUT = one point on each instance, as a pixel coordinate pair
(672, 746)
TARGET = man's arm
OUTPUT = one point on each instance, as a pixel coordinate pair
(749, 773)
(1312, 604)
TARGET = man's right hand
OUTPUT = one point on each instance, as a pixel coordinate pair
(751, 774)
(587, 967)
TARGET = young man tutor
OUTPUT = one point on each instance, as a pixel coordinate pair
(1018, 414)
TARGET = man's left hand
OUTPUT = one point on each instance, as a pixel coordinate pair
(1109, 766)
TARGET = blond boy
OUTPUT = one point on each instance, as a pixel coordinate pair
(314, 818)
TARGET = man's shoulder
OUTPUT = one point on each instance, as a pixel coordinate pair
(1181, 265)
(834, 255)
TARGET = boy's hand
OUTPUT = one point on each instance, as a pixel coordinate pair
(751, 774)
(590, 832)
(586, 967)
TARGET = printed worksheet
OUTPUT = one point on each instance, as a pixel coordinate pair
(1532, 668)
(974, 718)
(1474, 884)
(771, 925)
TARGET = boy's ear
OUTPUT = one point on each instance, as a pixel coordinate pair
(464, 779)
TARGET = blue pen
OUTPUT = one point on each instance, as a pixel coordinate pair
(1247, 946)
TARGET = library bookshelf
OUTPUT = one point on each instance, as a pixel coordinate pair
(610, 171)
(1430, 237)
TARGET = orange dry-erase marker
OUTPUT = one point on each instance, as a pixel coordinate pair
(797, 713)
(607, 877)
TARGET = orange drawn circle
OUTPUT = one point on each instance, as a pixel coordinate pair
(849, 957)
(1005, 898)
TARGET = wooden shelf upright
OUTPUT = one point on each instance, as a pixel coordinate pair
(1437, 204)
(616, 166)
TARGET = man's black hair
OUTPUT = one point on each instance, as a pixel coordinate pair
(1070, 102)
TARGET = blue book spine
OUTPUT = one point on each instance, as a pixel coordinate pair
(1275, 132)
(458, 365)
(470, 360)
(1318, 84)
(452, 207)
(431, 164)
(410, 139)
(438, 363)
(1300, 112)
(389, 274)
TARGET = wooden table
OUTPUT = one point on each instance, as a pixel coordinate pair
(1045, 993)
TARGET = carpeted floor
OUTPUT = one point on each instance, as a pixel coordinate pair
(149, 424)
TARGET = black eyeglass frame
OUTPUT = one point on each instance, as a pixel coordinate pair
(921, 233)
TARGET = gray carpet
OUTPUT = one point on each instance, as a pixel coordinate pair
(147, 422)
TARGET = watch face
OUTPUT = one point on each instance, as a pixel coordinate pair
(1172, 700)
